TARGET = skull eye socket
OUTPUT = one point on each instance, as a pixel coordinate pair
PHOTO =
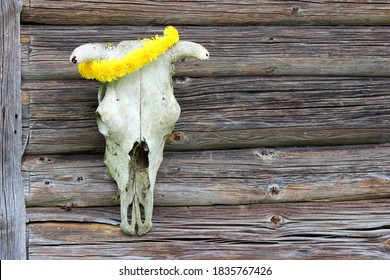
(74, 60)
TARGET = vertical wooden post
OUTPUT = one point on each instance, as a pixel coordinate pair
(12, 205)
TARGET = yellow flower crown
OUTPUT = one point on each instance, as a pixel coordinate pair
(108, 70)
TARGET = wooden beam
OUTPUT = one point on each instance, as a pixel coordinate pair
(207, 12)
(12, 205)
(234, 50)
(336, 230)
(219, 177)
(223, 112)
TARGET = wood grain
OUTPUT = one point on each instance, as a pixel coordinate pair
(207, 12)
(224, 112)
(220, 177)
(281, 73)
(336, 230)
(234, 50)
(12, 206)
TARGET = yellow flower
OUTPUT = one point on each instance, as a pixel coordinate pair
(109, 70)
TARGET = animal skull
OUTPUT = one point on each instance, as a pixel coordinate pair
(136, 113)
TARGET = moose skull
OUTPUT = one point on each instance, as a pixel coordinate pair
(136, 113)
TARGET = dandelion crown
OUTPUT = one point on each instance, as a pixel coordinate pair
(108, 70)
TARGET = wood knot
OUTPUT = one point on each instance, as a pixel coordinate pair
(387, 242)
(80, 178)
(294, 10)
(266, 154)
(274, 191)
(276, 220)
(44, 159)
(270, 70)
(177, 136)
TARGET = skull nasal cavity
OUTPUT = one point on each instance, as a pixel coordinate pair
(140, 153)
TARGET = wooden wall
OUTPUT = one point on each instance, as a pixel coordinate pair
(281, 151)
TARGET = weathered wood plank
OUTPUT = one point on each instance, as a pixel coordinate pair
(342, 230)
(233, 112)
(220, 177)
(207, 12)
(12, 206)
(234, 50)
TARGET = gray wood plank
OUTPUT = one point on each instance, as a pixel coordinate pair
(221, 113)
(220, 177)
(12, 205)
(234, 50)
(336, 230)
(207, 12)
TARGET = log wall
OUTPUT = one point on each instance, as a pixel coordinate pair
(281, 150)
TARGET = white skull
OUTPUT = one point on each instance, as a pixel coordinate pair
(136, 113)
